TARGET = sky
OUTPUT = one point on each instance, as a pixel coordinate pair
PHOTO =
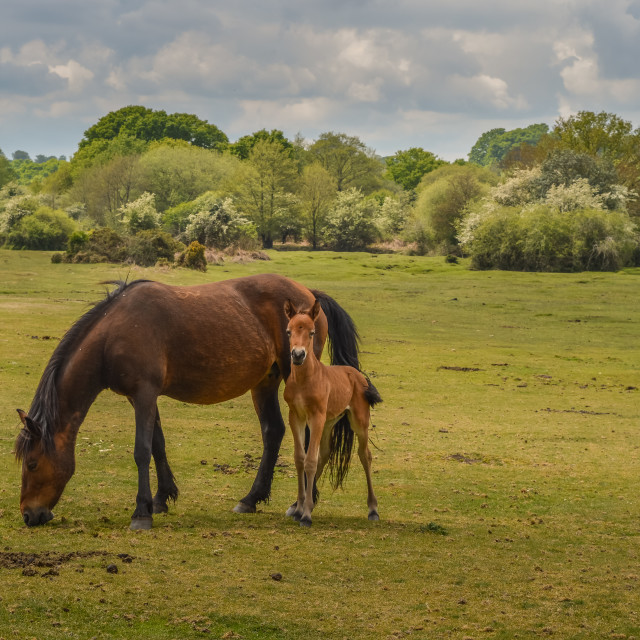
(434, 74)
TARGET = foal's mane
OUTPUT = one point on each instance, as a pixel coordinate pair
(44, 406)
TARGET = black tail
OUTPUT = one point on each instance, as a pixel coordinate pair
(340, 450)
(371, 394)
(344, 348)
(343, 336)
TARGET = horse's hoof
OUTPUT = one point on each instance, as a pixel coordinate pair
(305, 522)
(241, 507)
(291, 511)
(374, 516)
(297, 516)
(141, 524)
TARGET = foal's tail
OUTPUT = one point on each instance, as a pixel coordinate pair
(344, 348)
(344, 341)
(371, 394)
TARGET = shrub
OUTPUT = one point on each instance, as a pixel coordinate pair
(218, 224)
(546, 239)
(193, 257)
(147, 247)
(350, 223)
(141, 214)
(46, 230)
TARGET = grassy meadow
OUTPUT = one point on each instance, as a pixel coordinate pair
(506, 465)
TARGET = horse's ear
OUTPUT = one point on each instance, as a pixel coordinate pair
(289, 309)
(315, 310)
(29, 424)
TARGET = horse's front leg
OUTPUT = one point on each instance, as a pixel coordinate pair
(316, 426)
(167, 487)
(267, 406)
(145, 410)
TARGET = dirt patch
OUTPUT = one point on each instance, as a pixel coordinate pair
(30, 562)
(460, 457)
(582, 411)
(464, 369)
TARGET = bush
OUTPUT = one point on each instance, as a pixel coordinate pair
(218, 224)
(193, 257)
(147, 247)
(44, 230)
(350, 224)
(545, 239)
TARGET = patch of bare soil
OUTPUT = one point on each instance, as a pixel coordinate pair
(465, 369)
(50, 561)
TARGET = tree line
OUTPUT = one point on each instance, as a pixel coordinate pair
(144, 184)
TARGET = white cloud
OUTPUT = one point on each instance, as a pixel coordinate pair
(74, 72)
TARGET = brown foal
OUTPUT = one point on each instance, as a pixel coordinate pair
(318, 396)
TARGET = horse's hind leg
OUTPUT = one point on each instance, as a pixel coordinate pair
(267, 406)
(166, 482)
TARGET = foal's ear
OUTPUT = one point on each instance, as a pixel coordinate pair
(315, 310)
(289, 309)
(29, 424)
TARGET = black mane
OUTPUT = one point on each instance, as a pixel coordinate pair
(44, 407)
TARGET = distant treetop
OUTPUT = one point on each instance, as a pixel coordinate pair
(146, 124)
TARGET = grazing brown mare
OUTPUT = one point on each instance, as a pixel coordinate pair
(320, 397)
(202, 344)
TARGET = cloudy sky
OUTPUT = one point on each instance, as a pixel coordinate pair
(429, 73)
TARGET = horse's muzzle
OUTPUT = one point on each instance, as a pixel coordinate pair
(35, 517)
(298, 356)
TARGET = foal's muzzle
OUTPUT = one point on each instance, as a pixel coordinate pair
(298, 356)
(35, 517)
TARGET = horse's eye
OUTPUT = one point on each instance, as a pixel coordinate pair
(32, 466)
(288, 333)
(312, 333)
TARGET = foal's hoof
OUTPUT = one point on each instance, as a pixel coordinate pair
(141, 524)
(305, 522)
(374, 516)
(241, 507)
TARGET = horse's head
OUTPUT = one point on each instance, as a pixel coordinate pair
(46, 469)
(301, 329)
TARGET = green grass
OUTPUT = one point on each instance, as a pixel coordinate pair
(506, 465)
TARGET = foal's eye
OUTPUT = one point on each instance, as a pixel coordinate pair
(32, 466)
(288, 332)
(312, 333)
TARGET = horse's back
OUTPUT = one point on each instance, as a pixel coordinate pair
(204, 343)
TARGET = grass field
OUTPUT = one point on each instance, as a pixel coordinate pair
(506, 460)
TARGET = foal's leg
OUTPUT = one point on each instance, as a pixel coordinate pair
(146, 411)
(316, 426)
(364, 453)
(166, 482)
(297, 425)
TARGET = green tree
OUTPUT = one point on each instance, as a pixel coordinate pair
(140, 214)
(406, 168)
(349, 161)
(20, 155)
(146, 124)
(493, 146)
(177, 172)
(7, 173)
(443, 198)
(479, 151)
(243, 146)
(317, 191)
(267, 188)
(603, 135)
(46, 230)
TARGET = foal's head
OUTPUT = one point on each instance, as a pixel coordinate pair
(301, 329)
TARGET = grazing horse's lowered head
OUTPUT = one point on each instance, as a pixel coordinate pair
(46, 469)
